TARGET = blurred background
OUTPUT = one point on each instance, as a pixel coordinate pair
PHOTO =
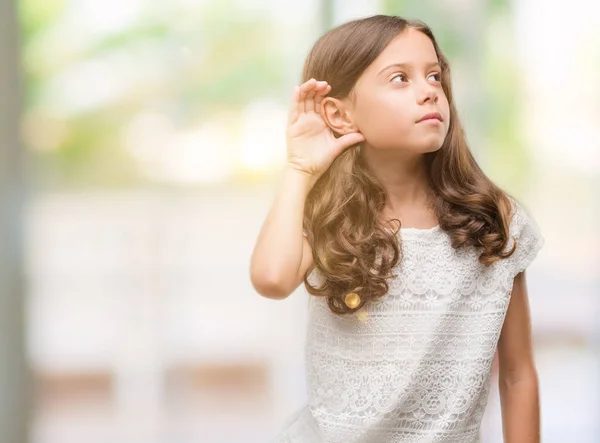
(141, 144)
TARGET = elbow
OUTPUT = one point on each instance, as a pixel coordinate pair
(268, 286)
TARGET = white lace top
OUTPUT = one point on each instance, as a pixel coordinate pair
(414, 366)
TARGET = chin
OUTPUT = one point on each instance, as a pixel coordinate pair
(431, 147)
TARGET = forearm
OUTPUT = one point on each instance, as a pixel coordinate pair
(278, 252)
(519, 399)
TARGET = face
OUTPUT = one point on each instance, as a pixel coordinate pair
(396, 91)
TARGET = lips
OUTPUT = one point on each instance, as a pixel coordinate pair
(431, 116)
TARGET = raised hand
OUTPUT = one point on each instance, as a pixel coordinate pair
(311, 145)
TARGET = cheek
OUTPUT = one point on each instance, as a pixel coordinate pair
(380, 120)
(445, 107)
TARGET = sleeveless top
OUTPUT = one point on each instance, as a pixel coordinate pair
(415, 365)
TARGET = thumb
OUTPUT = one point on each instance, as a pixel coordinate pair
(345, 141)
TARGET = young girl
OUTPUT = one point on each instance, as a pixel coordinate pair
(414, 258)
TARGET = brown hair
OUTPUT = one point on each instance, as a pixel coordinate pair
(352, 248)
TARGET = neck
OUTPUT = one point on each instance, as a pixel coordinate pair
(404, 178)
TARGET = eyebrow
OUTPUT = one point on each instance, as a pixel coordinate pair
(408, 65)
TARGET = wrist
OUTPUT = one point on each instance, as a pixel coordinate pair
(305, 178)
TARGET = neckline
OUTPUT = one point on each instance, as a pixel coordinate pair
(417, 230)
(420, 233)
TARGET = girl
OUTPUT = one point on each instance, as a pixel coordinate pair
(415, 259)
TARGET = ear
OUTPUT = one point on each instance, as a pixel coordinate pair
(336, 114)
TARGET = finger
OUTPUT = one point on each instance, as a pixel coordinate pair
(345, 141)
(293, 113)
(309, 103)
(320, 96)
(304, 89)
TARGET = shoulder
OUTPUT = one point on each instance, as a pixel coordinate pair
(525, 231)
(522, 221)
(519, 214)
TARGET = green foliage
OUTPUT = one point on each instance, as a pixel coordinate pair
(36, 15)
(213, 61)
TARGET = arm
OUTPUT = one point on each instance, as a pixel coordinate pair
(282, 254)
(518, 381)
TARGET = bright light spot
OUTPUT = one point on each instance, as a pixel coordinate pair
(193, 156)
(263, 131)
(101, 17)
(147, 136)
(88, 85)
(198, 157)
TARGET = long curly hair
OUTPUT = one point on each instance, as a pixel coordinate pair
(353, 249)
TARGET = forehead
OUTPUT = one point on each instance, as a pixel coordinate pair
(411, 47)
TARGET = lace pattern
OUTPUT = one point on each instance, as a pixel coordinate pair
(414, 366)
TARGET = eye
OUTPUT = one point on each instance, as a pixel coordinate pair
(437, 75)
(402, 76)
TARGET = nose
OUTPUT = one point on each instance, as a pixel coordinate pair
(428, 94)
